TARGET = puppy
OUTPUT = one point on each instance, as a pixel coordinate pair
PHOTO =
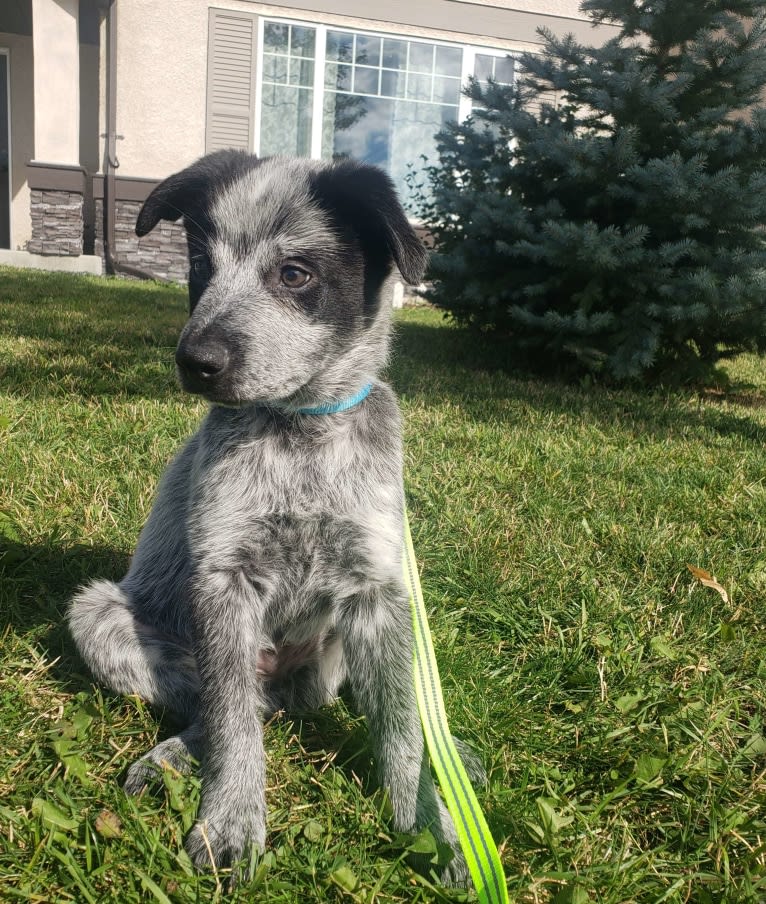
(269, 571)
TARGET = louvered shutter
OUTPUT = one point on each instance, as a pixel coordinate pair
(232, 55)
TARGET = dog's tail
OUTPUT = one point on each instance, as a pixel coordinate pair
(128, 655)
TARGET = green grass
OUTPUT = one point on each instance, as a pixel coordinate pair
(617, 702)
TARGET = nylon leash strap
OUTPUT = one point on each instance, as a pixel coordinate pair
(473, 832)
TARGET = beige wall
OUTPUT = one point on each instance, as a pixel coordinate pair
(161, 75)
(569, 9)
(57, 81)
(21, 70)
(162, 58)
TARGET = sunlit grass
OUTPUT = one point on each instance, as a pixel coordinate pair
(617, 702)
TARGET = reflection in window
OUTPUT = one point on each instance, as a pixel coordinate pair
(287, 89)
(385, 99)
(499, 69)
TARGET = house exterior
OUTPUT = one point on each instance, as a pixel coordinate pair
(101, 99)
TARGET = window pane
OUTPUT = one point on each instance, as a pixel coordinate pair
(421, 57)
(338, 76)
(504, 70)
(301, 41)
(367, 50)
(393, 84)
(449, 61)
(340, 45)
(361, 130)
(285, 120)
(342, 114)
(446, 90)
(275, 68)
(302, 72)
(394, 54)
(419, 87)
(365, 80)
(275, 36)
(412, 135)
(483, 66)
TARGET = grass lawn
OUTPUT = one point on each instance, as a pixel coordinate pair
(618, 702)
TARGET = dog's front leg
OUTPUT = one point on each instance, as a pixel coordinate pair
(227, 626)
(376, 628)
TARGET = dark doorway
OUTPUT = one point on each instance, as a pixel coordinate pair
(5, 156)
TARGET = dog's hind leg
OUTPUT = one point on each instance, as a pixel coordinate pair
(129, 655)
(477, 774)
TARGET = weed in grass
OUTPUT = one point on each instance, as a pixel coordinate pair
(618, 702)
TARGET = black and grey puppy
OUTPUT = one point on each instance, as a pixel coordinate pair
(269, 571)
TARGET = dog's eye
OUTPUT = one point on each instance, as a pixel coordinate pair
(200, 269)
(293, 277)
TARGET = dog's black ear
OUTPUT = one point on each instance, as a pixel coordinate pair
(169, 200)
(186, 193)
(364, 197)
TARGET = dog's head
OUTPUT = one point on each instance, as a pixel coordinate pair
(287, 259)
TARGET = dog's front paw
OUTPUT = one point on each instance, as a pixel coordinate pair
(178, 752)
(225, 842)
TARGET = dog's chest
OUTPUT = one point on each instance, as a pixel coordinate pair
(253, 466)
(310, 518)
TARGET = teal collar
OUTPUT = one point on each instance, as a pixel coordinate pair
(335, 407)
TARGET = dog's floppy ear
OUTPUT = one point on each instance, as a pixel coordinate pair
(364, 197)
(168, 201)
(185, 193)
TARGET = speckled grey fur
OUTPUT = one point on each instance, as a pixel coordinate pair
(269, 570)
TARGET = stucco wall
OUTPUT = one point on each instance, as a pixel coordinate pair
(161, 74)
(57, 81)
(162, 57)
(22, 133)
(567, 9)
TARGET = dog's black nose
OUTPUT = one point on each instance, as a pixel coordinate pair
(202, 359)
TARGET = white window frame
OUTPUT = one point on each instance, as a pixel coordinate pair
(320, 46)
(485, 51)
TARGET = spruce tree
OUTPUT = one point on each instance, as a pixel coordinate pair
(620, 229)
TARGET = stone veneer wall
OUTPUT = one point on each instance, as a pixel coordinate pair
(162, 252)
(57, 222)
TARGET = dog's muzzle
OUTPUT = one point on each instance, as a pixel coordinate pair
(203, 363)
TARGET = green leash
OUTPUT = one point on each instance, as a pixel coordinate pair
(472, 829)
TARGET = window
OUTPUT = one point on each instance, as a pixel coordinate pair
(287, 92)
(498, 68)
(327, 92)
(385, 98)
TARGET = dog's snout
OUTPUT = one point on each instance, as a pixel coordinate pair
(203, 359)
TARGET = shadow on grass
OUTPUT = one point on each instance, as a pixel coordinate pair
(36, 583)
(88, 337)
(437, 364)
